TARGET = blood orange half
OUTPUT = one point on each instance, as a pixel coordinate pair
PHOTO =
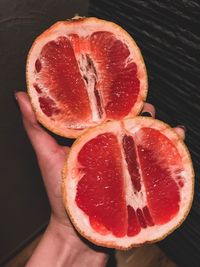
(128, 182)
(83, 72)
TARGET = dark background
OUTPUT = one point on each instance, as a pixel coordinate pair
(24, 206)
(167, 33)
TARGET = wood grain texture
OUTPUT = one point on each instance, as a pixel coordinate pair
(23, 256)
(168, 35)
(146, 256)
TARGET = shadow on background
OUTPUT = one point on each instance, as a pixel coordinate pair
(23, 203)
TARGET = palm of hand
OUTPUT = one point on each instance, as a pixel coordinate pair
(51, 157)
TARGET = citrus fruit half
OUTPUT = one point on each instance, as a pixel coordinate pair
(82, 72)
(128, 182)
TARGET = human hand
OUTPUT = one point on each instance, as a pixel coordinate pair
(149, 111)
(51, 157)
(61, 245)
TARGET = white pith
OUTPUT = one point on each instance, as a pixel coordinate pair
(82, 61)
(148, 234)
(83, 29)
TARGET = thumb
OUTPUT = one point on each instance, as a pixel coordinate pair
(43, 144)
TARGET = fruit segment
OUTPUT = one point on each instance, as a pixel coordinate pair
(131, 159)
(147, 216)
(158, 160)
(58, 75)
(100, 192)
(116, 74)
(133, 223)
(48, 106)
(141, 218)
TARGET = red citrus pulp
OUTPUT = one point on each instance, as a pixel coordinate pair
(128, 182)
(83, 72)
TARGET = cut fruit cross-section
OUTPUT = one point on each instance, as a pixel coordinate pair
(129, 182)
(83, 72)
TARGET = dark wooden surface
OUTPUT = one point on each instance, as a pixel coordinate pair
(23, 203)
(146, 256)
(168, 34)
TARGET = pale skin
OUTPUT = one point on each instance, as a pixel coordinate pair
(60, 245)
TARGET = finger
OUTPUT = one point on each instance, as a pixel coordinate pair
(180, 130)
(148, 110)
(66, 149)
(43, 144)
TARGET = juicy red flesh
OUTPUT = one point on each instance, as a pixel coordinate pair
(115, 87)
(100, 192)
(37, 88)
(138, 219)
(61, 75)
(120, 85)
(131, 159)
(97, 226)
(163, 195)
(133, 223)
(181, 183)
(38, 65)
(141, 218)
(147, 216)
(48, 106)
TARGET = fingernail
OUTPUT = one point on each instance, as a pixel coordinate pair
(182, 127)
(146, 114)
